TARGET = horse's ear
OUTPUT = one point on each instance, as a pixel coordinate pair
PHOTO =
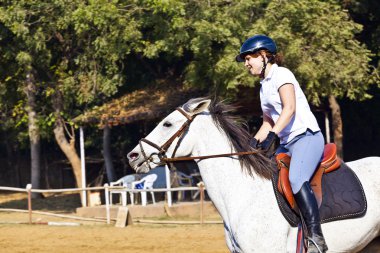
(195, 106)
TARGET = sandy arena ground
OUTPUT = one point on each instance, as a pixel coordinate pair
(95, 237)
(16, 238)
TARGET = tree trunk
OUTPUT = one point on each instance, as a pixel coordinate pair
(337, 125)
(67, 146)
(107, 154)
(34, 132)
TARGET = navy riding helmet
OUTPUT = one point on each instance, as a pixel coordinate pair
(254, 44)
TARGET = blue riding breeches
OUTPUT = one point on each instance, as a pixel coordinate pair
(306, 151)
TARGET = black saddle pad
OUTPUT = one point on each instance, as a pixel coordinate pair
(343, 197)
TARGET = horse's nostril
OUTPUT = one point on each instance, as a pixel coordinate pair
(133, 156)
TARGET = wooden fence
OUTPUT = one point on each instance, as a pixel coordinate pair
(106, 188)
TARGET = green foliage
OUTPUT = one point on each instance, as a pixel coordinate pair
(89, 50)
(74, 47)
(318, 41)
(366, 12)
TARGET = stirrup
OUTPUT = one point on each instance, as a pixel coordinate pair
(316, 245)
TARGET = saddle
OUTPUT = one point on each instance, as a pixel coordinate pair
(336, 187)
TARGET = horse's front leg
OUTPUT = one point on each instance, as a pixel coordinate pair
(228, 241)
(269, 236)
(231, 242)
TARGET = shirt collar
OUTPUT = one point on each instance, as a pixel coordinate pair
(271, 71)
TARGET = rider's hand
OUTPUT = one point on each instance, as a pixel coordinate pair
(268, 142)
(254, 143)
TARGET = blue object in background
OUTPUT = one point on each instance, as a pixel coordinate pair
(159, 183)
(161, 177)
(139, 186)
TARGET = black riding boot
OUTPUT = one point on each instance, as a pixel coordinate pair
(308, 207)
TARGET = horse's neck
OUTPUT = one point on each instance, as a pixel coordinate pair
(228, 186)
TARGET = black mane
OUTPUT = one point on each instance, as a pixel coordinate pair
(239, 137)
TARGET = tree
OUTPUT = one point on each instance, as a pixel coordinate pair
(82, 53)
(12, 117)
(75, 50)
(318, 39)
(23, 73)
(365, 12)
(34, 130)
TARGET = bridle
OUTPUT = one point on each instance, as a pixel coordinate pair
(180, 134)
(164, 147)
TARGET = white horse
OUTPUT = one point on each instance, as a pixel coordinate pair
(244, 197)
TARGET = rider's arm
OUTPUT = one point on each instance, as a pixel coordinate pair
(264, 129)
(288, 100)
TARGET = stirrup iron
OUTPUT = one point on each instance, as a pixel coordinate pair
(309, 239)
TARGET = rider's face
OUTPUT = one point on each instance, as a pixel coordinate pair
(254, 63)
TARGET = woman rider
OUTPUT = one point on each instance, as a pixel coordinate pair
(287, 116)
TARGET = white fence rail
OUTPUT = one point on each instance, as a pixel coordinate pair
(29, 190)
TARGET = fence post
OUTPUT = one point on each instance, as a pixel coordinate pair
(168, 185)
(29, 190)
(201, 186)
(107, 197)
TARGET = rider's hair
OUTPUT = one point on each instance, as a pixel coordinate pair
(277, 58)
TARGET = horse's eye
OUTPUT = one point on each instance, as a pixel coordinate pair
(167, 124)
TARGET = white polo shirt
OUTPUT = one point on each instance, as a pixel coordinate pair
(272, 106)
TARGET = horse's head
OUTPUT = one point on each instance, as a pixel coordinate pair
(162, 141)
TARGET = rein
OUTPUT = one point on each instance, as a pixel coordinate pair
(179, 134)
(190, 158)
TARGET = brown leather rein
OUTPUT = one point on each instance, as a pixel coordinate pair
(180, 133)
(190, 158)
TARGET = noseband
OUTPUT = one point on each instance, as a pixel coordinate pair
(180, 134)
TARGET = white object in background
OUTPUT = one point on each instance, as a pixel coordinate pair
(83, 166)
(168, 185)
(145, 183)
(124, 182)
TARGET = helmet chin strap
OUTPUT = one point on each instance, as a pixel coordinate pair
(262, 74)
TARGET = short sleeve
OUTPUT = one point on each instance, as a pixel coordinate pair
(284, 76)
